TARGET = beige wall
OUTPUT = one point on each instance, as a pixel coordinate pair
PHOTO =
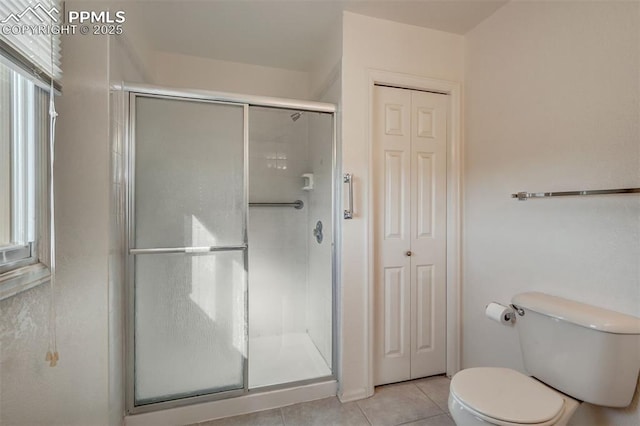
(86, 386)
(552, 104)
(126, 63)
(326, 68)
(76, 391)
(374, 44)
(183, 71)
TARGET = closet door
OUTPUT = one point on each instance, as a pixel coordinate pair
(392, 218)
(409, 154)
(428, 233)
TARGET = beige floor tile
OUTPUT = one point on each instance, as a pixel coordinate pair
(324, 412)
(261, 418)
(403, 403)
(441, 420)
(396, 404)
(437, 389)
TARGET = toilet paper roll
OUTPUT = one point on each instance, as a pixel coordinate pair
(499, 313)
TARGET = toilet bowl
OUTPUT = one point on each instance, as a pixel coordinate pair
(574, 351)
(501, 396)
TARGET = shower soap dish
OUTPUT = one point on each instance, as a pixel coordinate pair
(308, 181)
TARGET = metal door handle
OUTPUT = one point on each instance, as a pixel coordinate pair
(348, 178)
(408, 253)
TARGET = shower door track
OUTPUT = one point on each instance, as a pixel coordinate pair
(234, 98)
(129, 92)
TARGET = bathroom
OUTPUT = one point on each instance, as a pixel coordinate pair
(548, 101)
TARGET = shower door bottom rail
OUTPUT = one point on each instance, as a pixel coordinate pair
(205, 249)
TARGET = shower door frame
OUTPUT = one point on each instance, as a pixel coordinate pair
(130, 92)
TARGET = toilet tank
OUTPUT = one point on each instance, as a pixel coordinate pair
(586, 352)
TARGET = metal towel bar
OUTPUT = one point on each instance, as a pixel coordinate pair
(298, 204)
(522, 196)
(168, 250)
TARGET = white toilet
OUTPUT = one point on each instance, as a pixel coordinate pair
(575, 352)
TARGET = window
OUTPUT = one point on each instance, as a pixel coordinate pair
(23, 172)
(29, 68)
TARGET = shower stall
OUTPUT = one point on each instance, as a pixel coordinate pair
(230, 237)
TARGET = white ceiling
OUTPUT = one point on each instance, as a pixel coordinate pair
(283, 33)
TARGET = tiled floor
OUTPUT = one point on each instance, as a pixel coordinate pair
(417, 403)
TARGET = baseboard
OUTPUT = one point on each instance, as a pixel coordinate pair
(354, 395)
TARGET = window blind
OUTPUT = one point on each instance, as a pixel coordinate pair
(29, 34)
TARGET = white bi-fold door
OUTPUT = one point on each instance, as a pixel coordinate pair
(409, 154)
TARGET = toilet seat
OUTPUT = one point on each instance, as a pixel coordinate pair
(506, 397)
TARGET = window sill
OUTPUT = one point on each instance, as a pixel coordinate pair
(22, 279)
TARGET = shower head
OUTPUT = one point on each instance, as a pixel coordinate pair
(296, 115)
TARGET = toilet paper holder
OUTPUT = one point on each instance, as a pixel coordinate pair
(517, 309)
(511, 316)
(503, 314)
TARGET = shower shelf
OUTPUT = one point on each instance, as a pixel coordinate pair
(308, 181)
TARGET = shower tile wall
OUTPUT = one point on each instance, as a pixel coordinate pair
(278, 243)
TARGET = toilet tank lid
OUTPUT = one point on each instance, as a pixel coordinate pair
(578, 313)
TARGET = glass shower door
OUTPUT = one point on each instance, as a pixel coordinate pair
(188, 249)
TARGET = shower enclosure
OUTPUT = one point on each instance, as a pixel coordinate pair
(230, 228)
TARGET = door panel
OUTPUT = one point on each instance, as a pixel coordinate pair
(424, 308)
(189, 332)
(189, 199)
(393, 186)
(189, 173)
(409, 155)
(392, 155)
(395, 312)
(428, 237)
(425, 180)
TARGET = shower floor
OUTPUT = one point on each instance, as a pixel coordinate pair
(286, 358)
